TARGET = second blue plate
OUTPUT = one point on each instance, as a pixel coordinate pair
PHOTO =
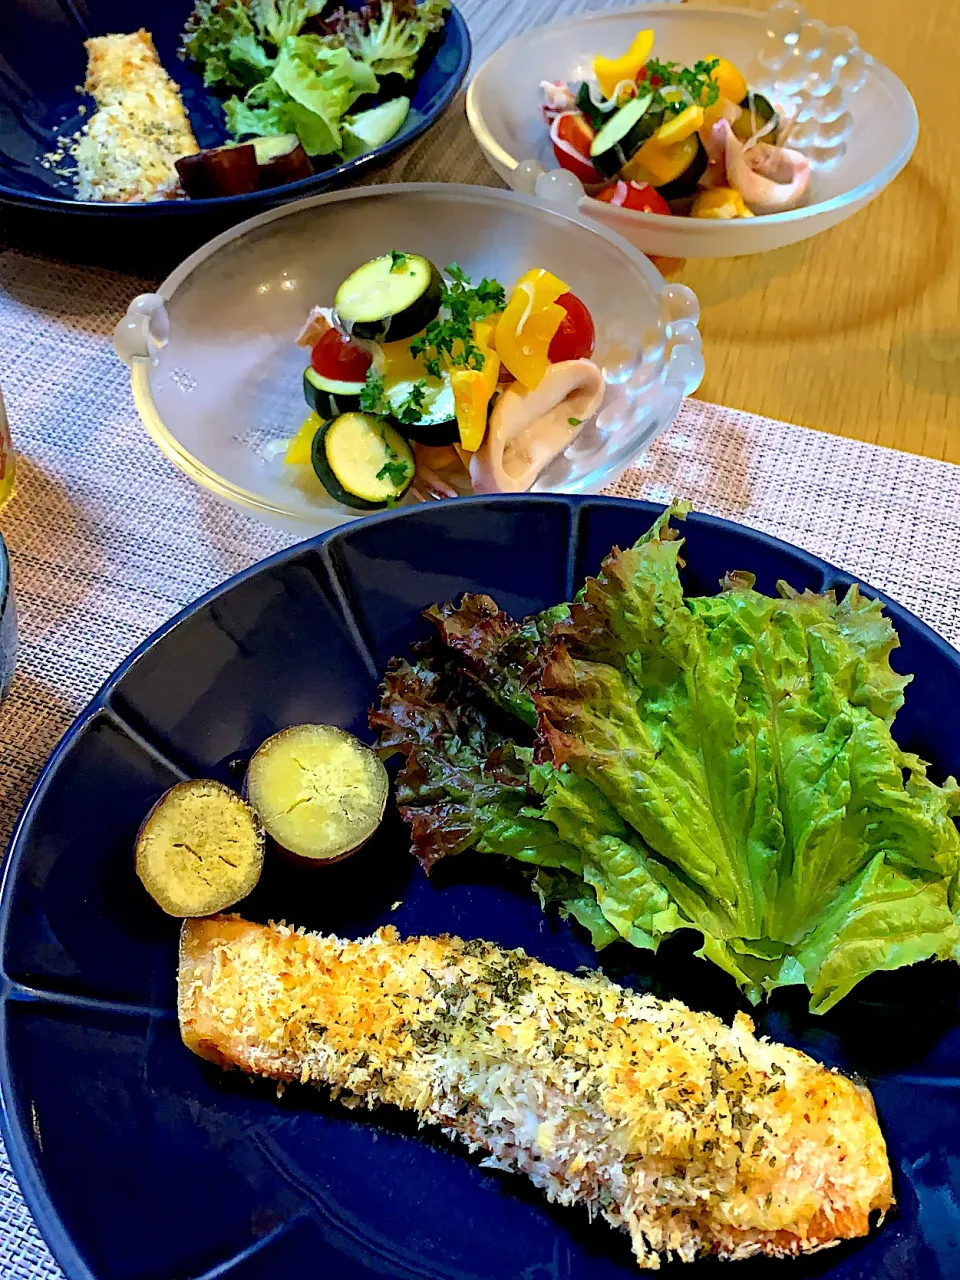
(42, 61)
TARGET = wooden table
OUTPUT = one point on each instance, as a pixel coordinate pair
(858, 330)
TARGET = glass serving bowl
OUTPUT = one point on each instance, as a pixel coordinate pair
(854, 119)
(217, 376)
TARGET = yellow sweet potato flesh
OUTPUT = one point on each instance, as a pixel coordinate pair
(319, 791)
(200, 849)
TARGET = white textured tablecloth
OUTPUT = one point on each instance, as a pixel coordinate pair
(107, 540)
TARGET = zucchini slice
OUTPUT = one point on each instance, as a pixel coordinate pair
(436, 423)
(368, 130)
(362, 461)
(625, 132)
(200, 849)
(588, 108)
(389, 298)
(328, 396)
(756, 112)
(319, 791)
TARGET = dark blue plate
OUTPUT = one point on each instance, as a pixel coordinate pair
(8, 620)
(42, 60)
(141, 1162)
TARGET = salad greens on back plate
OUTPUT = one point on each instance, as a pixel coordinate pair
(298, 66)
(724, 764)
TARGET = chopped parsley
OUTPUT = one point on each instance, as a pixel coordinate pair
(506, 980)
(395, 469)
(452, 336)
(398, 260)
(426, 1035)
(410, 408)
(372, 398)
(574, 422)
(696, 80)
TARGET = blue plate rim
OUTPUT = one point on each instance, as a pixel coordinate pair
(5, 579)
(29, 1178)
(254, 200)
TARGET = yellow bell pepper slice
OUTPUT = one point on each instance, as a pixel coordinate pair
(473, 388)
(721, 202)
(728, 79)
(680, 127)
(610, 71)
(300, 449)
(485, 337)
(659, 164)
(527, 326)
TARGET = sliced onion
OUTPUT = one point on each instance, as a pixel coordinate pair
(759, 135)
(561, 143)
(620, 193)
(435, 486)
(677, 94)
(276, 448)
(603, 103)
(626, 88)
(597, 96)
(767, 127)
(375, 352)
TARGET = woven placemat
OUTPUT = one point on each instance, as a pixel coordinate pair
(107, 539)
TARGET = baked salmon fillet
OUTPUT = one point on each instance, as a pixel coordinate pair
(694, 1137)
(128, 148)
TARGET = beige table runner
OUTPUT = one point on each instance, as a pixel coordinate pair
(107, 540)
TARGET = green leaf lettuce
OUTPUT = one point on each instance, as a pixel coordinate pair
(724, 764)
(309, 91)
(293, 70)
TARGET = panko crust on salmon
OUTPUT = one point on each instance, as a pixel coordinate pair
(693, 1136)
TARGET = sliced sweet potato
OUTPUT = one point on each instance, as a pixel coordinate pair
(200, 849)
(319, 791)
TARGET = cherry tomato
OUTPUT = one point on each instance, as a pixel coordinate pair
(633, 195)
(337, 358)
(575, 338)
(572, 136)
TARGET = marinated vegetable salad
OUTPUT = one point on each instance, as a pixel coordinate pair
(658, 137)
(423, 383)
